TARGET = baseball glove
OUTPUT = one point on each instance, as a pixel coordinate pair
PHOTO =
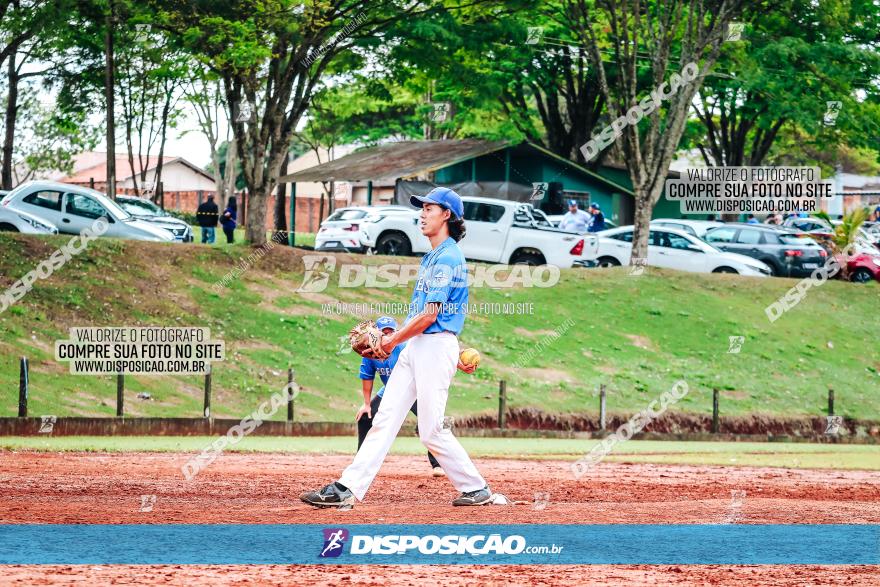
(366, 340)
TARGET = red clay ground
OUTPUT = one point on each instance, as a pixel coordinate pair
(263, 488)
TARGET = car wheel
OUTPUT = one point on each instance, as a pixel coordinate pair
(775, 269)
(861, 275)
(394, 243)
(532, 259)
(725, 270)
(608, 262)
(7, 227)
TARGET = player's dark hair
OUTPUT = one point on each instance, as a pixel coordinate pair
(456, 227)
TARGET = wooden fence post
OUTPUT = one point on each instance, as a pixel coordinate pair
(830, 401)
(120, 395)
(502, 403)
(289, 395)
(207, 412)
(716, 424)
(23, 388)
(602, 412)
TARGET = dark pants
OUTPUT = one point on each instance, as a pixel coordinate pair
(364, 425)
(230, 235)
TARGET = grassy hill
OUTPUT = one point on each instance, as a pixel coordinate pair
(637, 335)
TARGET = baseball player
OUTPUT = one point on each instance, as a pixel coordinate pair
(425, 366)
(369, 368)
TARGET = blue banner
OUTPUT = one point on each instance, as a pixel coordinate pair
(526, 544)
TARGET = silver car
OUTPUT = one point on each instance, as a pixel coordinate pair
(73, 209)
(144, 209)
(17, 221)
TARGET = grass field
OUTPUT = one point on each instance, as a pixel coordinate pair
(788, 455)
(302, 239)
(636, 335)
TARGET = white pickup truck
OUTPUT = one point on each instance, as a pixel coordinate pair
(498, 231)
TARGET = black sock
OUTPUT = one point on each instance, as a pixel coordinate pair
(340, 486)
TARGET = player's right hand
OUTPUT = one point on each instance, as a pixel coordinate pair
(365, 409)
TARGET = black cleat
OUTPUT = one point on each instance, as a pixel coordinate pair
(478, 497)
(329, 497)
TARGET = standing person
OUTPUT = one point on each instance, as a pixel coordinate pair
(227, 221)
(424, 368)
(574, 220)
(207, 215)
(597, 219)
(384, 367)
(752, 220)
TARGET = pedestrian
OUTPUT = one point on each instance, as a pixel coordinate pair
(384, 367)
(227, 221)
(424, 368)
(574, 220)
(597, 219)
(752, 220)
(207, 215)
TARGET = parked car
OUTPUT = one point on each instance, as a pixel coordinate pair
(144, 209)
(807, 224)
(498, 231)
(16, 221)
(675, 249)
(698, 228)
(349, 228)
(863, 268)
(788, 253)
(73, 208)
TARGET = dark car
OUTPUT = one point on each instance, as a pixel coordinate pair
(144, 209)
(788, 253)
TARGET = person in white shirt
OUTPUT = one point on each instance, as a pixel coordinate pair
(574, 220)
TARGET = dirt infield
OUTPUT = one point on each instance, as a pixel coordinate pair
(263, 488)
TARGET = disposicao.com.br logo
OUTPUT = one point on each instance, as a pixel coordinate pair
(480, 544)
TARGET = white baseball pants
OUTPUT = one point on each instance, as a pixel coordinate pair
(423, 372)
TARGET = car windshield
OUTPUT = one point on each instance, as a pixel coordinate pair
(346, 215)
(139, 207)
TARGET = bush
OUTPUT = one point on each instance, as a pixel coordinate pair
(188, 217)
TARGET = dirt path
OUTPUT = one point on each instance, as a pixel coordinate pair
(88, 488)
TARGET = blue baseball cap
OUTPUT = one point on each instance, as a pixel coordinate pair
(572, 203)
(596, 206)
(442, 197)
(386, 322)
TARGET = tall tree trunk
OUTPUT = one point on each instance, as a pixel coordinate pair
(157, 177)
(281, 207)
(11, 114)
(109, 71)
(228, 181)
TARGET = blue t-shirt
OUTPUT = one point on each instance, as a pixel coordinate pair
(370, 367)
(443, 279)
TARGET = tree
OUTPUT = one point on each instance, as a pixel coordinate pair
(270, 56)
(795, 57)
(26, 38)
(205, 94)
(653, 36)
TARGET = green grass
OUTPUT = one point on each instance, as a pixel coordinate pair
(789, 455)
(636, 335)
(301, 239)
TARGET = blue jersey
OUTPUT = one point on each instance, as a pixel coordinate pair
(370, 367)
(443, 279)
